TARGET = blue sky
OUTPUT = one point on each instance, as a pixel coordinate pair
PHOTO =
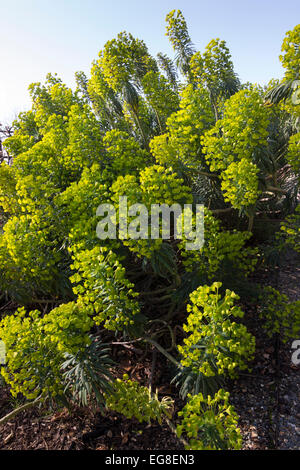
(63, 36)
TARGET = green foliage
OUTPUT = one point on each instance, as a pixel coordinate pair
(288, 89)
(124, 154)
(160, 96)
(293, 155)
(132, 131)
(290, 230)
(236, 146)
(216, 345)
(279, 315)
(77, 207)
(214, 70)
(290, 57)
(240, 133)
(86, 374)
(29, 258)
(100, 284)
(168, 67)
(124, 59)
(136, 401)
(179, 37)
(210, 423)
(220, 247)
(156, 185)
(181, 145)
(191, 382)
(240, 184)
(7, 189)
(36, 346)
(26, 134)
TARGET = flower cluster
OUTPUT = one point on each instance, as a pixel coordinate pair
(216, 345)
(135, 401)
(210, 423)
(220, 246)
(290, 57)
(156, 185)
(279, 315)
(100, 284)
(293, 155)
(241, 130)
(36, 344)
(290, 230)
(240, 184)
(123, 153)
(181, 144)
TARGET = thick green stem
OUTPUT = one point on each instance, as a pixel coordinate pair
(13, 413)
(173, 428)
(159, 122)
(141, 129)
(222, 211)
(163, 351)
(154, 292)
(204, 173)
(250, 223)
(277, 190)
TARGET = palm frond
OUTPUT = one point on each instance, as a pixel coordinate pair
(87, 374)
(280, 92)
(168, 67)
(189, 381)
(131, 95)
